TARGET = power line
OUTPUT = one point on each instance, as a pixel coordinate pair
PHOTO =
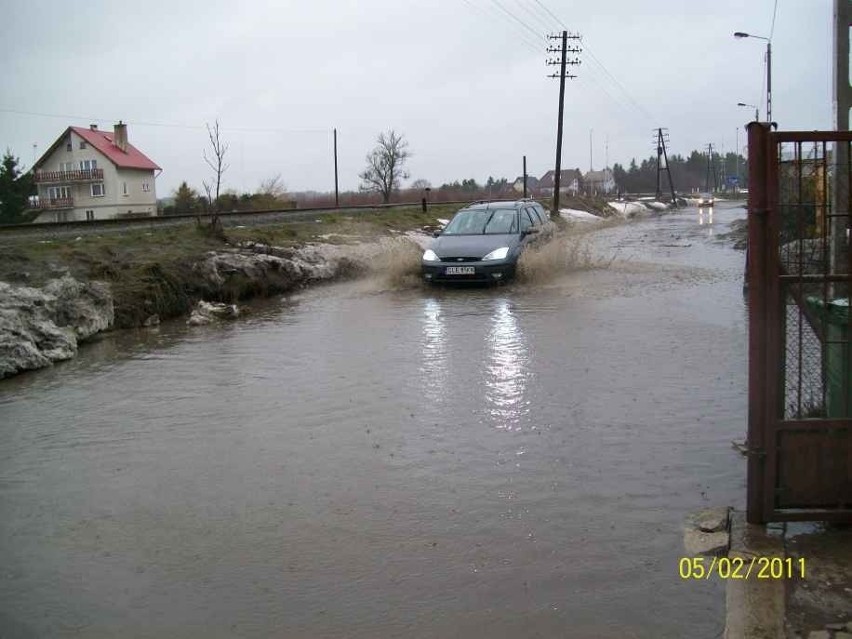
(518, 20)
(615, 80)
(524, 39)
(774, 12)
(545, 24)
(550, 13)
(600, 64)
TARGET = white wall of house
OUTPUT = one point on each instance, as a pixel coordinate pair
(122, 191)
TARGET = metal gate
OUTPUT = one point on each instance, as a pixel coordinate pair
(800, 360)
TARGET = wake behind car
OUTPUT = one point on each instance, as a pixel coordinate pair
(483, 241)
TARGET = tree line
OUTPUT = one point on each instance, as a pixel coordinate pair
(691, 173)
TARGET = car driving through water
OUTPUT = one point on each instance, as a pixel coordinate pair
(483, 241)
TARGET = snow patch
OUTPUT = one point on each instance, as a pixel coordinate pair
(576, 215)
(629, 209)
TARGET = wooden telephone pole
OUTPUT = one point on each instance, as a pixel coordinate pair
(563, 62)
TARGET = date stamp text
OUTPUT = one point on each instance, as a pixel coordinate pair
(742, 567)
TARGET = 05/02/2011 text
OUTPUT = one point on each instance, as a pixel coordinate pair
(742, 567)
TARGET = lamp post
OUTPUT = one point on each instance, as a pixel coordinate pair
(740, 34)
(756, 110)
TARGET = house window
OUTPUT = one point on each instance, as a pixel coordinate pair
(90, 215)
(66, 166)
(146, 187)
(82, 145)
(88, 165)
(98, 189)
(68, 147)
(59, 192)
(124, 188)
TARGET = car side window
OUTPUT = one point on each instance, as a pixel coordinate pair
(526, 221)
(536, 218)
(541, 212)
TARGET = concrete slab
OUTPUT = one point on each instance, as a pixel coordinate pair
(755, 607)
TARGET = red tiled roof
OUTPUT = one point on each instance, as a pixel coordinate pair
(133, 158)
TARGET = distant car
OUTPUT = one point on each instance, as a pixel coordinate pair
(483, 241)
(705, 199)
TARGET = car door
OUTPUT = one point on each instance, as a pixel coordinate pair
(547, 227)
(527, 223)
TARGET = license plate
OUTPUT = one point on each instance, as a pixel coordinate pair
(460, 270)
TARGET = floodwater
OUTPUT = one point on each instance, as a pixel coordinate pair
(358, 461)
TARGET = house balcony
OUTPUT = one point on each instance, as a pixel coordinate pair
(66, 177)
(55, 203)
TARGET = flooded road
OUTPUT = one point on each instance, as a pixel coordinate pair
(363, 462)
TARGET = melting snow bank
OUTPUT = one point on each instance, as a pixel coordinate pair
(633, 209)
(39, 326)
(581, 217)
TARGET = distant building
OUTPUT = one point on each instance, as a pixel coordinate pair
(599, 182)
(570, 182)
(88, 174)
(518, 184)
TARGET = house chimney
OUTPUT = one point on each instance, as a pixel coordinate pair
(93, 127)
(120, 137)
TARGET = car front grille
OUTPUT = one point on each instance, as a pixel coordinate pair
(460, 260)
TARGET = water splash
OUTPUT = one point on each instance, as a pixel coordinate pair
(566, 253)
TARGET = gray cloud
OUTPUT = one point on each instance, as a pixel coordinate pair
(464, 82)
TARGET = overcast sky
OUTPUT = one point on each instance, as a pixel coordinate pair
(464, 81)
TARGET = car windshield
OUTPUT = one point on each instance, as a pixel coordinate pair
(483, 221)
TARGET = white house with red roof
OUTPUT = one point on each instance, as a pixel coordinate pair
(89, 174)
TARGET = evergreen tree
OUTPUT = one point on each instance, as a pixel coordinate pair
(15, 189)
(186, 199)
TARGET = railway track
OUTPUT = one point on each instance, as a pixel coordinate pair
(57, 230)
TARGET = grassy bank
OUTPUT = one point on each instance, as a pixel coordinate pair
(151, 272)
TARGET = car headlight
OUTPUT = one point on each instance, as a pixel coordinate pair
(430, 256)
(497, 254)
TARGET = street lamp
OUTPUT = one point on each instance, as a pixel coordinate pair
(740, 34)
(756, 111)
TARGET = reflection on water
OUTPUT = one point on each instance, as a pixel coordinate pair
(433, 366)
(705, 218)
(507, 370)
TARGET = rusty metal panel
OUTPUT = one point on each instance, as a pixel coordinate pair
(800, 330)
(814, 469)
(758, 150)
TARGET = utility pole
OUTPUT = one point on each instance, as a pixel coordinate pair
(562, 61)
(737, 157)
(711, 169)
(336, 191)
(525, 177)
(769, 81)
(591, 157)
(661, 136)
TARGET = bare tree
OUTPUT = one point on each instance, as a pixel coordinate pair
(270, 194)
(216, 161)
(273, 187)
(385, 165)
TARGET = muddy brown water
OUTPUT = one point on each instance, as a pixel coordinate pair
(365, 461)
